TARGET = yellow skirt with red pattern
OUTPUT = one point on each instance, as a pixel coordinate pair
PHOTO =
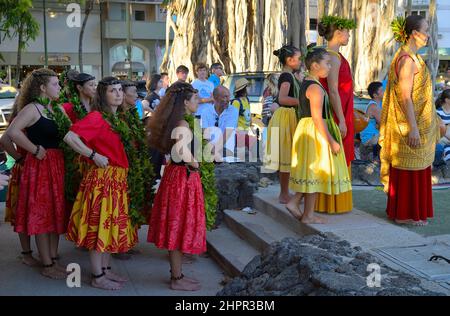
(83, 166)
(99, 219)
(12, 196)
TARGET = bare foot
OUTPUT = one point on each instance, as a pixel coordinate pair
(420, 223)
(404, 221)
(59, 267)
(184, 285)
(105, 284)
(284, 199)
(294, 210)
(115, 277)
(313, 220)
(30, 261)
(192, 280)
(53, 273)
(187, 259)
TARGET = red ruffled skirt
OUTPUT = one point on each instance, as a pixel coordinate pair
(410, 194)
(41, 204)
(177, 220)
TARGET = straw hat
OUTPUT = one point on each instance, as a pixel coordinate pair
(241, 83)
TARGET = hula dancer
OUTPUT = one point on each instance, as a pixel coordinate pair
(80, 91)
(41, 205)
(318, 162)
(339, 86)
(100, 219)
(284, 119)
(177, 221)
(80, 101)
(12, 196)
(409, 127)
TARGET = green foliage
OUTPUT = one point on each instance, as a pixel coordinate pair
(16, 18)
(398, 27)
(207, 175)
(140, 173)
(339, 22)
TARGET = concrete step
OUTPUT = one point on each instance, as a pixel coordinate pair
(268, 204)
(259, 230)
(229, 251)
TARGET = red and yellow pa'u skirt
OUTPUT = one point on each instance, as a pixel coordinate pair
(12, 195)
(99, 219)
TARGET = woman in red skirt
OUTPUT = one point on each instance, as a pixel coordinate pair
(409, 128)
(41, 205)
(177, 221)
(12, 196)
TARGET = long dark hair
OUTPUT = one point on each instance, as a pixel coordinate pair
(441, 98)
(285, 52)
(100, 102)
(153, 83)
(168, 114)
(327, 30)
(413, 23)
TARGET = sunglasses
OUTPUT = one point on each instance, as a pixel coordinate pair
(217, 122)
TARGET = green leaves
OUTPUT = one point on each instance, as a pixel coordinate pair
(208, 176)
(16, 18)
(140, 172)
(398, 27)
(339, 22)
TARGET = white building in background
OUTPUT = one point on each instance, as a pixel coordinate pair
(104, 39)
(443, 16)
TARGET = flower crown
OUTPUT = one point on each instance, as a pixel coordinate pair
(398, 27)
(340, 23)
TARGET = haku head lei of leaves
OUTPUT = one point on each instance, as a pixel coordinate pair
(398, 27)
(339, 22)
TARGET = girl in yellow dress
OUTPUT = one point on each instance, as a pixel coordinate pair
(282, 125)
(318, 161)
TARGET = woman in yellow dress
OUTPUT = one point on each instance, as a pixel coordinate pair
(409, 128)
(318, 160)
(282, 125)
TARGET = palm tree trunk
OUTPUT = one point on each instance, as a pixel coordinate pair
(19, 54)
(87, 12)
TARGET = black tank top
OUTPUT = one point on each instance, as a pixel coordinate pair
(304, 109)
(44, 132)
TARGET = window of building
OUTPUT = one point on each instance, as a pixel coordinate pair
(139, 15)
(312, 24)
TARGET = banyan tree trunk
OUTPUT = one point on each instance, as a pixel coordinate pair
(371, 46)
(241, 34)
(433, 49)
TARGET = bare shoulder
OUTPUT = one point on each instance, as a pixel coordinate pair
(183, 123)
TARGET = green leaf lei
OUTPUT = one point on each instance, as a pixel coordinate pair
(339, 22)
(207, 175)
(140, 173)
(72, 176)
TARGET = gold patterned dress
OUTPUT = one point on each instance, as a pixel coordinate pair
(406, 171)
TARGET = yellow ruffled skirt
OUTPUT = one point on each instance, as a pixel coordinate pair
(315, 169)
(280, 133)
(99, 219)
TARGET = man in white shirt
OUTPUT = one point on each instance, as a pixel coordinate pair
(205, 89)
(222, 118)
